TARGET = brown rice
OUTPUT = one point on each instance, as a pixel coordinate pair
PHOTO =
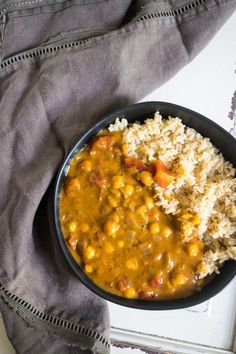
(205, 184)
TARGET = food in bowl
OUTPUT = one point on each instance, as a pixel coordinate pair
(148, 210)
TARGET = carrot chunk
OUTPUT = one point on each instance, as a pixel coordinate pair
(105, 143)
(131, 161)
(163, 176)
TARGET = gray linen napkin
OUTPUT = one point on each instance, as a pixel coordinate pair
(64, 64)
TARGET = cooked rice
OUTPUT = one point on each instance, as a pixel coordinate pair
(205, 184)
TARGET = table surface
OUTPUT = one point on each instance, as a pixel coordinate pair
(206, 85)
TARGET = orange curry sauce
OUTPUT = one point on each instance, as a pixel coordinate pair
(123, 241)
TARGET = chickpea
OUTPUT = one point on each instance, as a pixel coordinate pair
(181, 171)
(186, 216)
(149, 202)
(138, 189)
(132, 170)
(156, 213)
(193, 249)
(128, 190)
(114, 202)
(166, 231)
(141, 216)
(132, 205)
(86, 165)
(130, 293)
(88, 268)
(120, 244)
(201, 268)
(118, 182)
(132, 263)
(154, 228)
(111, 227)
(108, 247)
(84, 227)
(89, 252)
(142, 210)
(115, 192)
(167, 197)
(187, 228)
(120, 212)
(72, 186)
(146, 178)
(124, 149)
(196, 220)
(72, 226)
(115, 217)
(179, 279)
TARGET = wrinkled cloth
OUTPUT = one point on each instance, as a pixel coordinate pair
(64, 64)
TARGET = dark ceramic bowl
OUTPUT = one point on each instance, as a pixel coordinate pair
(139, 112)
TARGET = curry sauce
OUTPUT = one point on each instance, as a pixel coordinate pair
(113, 227)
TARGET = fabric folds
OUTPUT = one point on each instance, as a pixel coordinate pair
(64, 64)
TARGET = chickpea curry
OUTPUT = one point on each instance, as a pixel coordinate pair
(114, 229)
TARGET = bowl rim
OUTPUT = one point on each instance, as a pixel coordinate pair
(204, 294)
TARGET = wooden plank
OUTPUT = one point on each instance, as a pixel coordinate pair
(160, 344)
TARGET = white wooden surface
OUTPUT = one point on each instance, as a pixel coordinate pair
(210, 324)
(207, 86)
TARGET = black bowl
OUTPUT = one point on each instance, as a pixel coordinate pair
(139, 112)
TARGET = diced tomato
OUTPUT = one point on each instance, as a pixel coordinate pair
(151, 168)
(163, 176)
(98, 178)
(105, 142)
(123, 284)
(131, 161)
(146, 294)
(155, 281)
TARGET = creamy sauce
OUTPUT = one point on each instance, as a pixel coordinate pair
(114, 229)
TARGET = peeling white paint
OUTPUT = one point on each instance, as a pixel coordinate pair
(115, 350)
